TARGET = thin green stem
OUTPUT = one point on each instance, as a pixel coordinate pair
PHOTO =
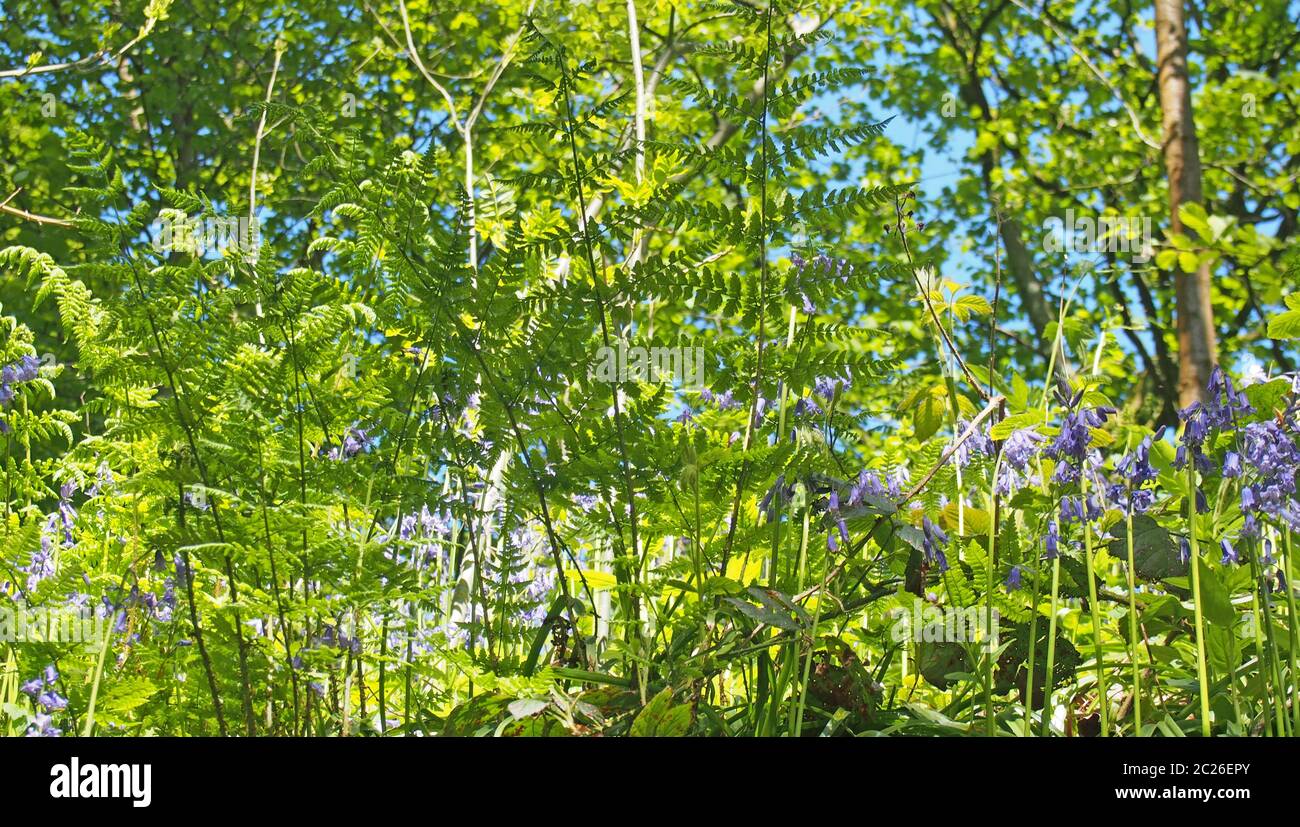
(1133, 624)
(1194, 561)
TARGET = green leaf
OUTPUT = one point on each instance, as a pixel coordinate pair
(1268, 397)
(1194, 217)
(526, 707)
(1222, 648)
(661, 718)
(1285, 326)
(764, 615)
(1014, 423)
(936, 661)
(929, 415)
(1215, 601)
(1155, 555)
(126, 695)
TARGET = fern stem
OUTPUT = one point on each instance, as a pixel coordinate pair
(598, 280)
(757, 385)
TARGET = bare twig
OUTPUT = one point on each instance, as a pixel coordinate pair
(1092, 67)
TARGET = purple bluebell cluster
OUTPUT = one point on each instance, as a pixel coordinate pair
(41, 689)
(355, 441)
(541, 582)
(725, 401)
(977, 444)
(1070, 448)
(1013, 579)
(1220, 412)
(933, 541)
(838, 267)
(24, 370)
(805, 406)
(425, 533)
(873, 484)
(1136, 472)
(840, 534)
(58, 528)
(1273, 461)
(1018, 451)
(1079, 509)
(827, 386)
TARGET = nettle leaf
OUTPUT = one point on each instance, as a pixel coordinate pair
(1268, 397)
(661, 718)
(1155, 554)
(940, 662)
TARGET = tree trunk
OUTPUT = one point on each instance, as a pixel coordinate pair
(1195, 317)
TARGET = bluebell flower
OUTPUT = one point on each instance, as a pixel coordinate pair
(834, 510)
(724, 401)
(977, 443)
(1053, 540)
(43, 727)
(805, 405)
(52, 701)
(827, 386)
(29, 368)
(1229, 553)
(934, 538)
(1021, 447)
(775, 497)
(1184, 550)
(1013, 579)
(1070, 448)
(1232, 464)
(1071, 510)
(1274, 460)
(1094, 509)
